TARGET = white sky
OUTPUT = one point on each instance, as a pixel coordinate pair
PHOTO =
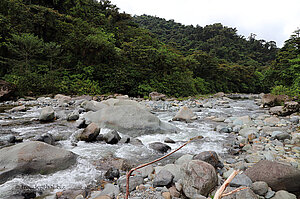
(271, 20)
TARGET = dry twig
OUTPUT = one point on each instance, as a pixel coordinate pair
(219, 194)
(146, 164)
(234, 191)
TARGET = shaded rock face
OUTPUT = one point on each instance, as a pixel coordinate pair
(112, 137)
(160, 147)
(184, 114)
(277, 175)
(163, 178)
(273, 100)
(199, 178)
(128, 117)
(6, 90)
(210, 157)
(47, 114)
(90, 133)
(33, 158)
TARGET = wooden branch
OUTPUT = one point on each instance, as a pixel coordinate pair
(220, 191)
(146, 164)
(234, 191)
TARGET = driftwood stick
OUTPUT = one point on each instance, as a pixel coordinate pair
(234, 191)
(220, 191)
(146, 164)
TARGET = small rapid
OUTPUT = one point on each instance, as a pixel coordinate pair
(86, 172)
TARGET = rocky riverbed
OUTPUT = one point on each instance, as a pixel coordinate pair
(65, 147)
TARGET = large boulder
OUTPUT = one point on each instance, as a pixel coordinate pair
(62, 99)
(47, 114)
(270, 100)
(155, 96)
(128, 117)
(199, 178)
(6, 90)
(291, 107)
(33, 158)
(211, 157)
(277, 175)
(184, 114)
(160, 147)
(90, 133)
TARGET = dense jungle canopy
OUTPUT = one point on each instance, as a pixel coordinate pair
(89, 47)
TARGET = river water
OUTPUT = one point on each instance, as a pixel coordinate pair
(25, 125)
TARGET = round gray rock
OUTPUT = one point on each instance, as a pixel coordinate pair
(163, 178)
(32, 158)
(47, 114)
(260, 188)
(199, 178)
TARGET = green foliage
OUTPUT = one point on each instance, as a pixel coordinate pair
(216, 40)
(88, 47)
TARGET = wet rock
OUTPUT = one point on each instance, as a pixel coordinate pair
(134, 181)
(260, 188)
(277, 175)
(225, 130)
(80, 123)
(136, 142)
(47, 114)
(184, 114)
(73, 116)
(144, 172)
(241, 180)
(47, 138)
(128, 117)
(112, 173)
(160, 147)
(169, 140)
(32, 158)
(211, 157)
(90, 133)
(21, 108)
(284, 194)
(6, 90)
(163, 178)
(155, 96)
(199, 178)
(112, 137)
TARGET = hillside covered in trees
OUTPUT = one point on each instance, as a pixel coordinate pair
(89, 47)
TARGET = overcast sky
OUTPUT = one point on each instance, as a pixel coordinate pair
(271, 20)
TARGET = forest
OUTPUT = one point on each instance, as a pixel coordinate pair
(88, 47)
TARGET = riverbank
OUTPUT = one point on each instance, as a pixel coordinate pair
(236, 127)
